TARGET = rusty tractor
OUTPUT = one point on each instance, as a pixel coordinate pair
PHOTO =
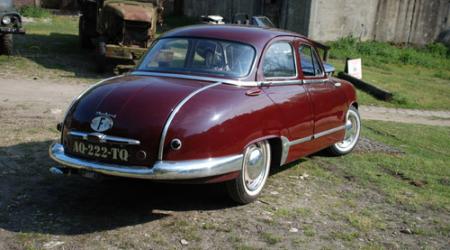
(119, 30)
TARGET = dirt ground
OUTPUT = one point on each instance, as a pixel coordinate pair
(296, 210)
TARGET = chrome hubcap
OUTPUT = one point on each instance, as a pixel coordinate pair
(352, 128)
(255, 167)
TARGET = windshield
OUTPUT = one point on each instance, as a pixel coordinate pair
(6, 4)
(199, 56)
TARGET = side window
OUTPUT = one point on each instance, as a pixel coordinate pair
(310, 61)
(279, 61)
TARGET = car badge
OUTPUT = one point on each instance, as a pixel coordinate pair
(101, 123)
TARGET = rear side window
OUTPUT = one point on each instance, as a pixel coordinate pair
(279, 61)
(310, 61)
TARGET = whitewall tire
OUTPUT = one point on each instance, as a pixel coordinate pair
(255, 170)
(352, 132)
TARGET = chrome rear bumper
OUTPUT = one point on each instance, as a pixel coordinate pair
(161, 170)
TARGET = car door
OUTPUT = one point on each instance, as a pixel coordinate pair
(280, 76)
(328, 99)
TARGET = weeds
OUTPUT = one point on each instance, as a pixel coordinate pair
(33, 11)
(270, 238)
(434, 55)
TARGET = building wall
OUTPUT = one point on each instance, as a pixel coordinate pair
(399, 21)
(334, 19)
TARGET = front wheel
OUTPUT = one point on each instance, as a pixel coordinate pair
(352, 131)
(255, 170)
(6, 44)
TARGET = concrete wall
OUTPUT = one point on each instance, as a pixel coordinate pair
(334, 19)
(399, 21)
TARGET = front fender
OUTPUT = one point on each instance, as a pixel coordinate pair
(221, 121)
(349, 91)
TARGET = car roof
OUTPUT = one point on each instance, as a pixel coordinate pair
(253, 35)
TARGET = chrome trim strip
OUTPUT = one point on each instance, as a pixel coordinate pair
(286, 144)
(199, 78)
(285, 150)
(282, 82)
(104, 138)
(329, 131)
(161, 170)
(239, 83)
(301, 140)
(174, 112)
(309, 81)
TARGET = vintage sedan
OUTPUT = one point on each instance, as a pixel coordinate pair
(211, 104)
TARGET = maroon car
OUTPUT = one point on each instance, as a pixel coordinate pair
(211, 104)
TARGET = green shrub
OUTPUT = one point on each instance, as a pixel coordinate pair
(434, 55)
(438, 49)
(33, 11)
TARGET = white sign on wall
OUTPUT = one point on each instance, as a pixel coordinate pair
(354, 67)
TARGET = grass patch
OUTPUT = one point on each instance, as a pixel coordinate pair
(345, 236)
(434, 55)
(418, 77)
(414, 87)
(309, 231)
(50, 50)
(270, 238)
(184, 229)
(33, 11)
(426, 161)
(365, 221)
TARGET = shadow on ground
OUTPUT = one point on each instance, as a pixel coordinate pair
(34, 201)
(57, 51)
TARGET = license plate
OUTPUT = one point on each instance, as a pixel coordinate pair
(100, 151)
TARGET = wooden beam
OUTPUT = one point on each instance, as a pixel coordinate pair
(375, 91)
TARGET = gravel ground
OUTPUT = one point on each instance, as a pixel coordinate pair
(297, 208)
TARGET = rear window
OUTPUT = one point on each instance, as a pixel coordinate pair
(199, 56)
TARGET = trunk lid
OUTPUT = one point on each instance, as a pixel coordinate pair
(139, 107)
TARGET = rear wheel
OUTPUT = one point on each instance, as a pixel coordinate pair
(255, 170)
(6, 44)
(352, 131)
